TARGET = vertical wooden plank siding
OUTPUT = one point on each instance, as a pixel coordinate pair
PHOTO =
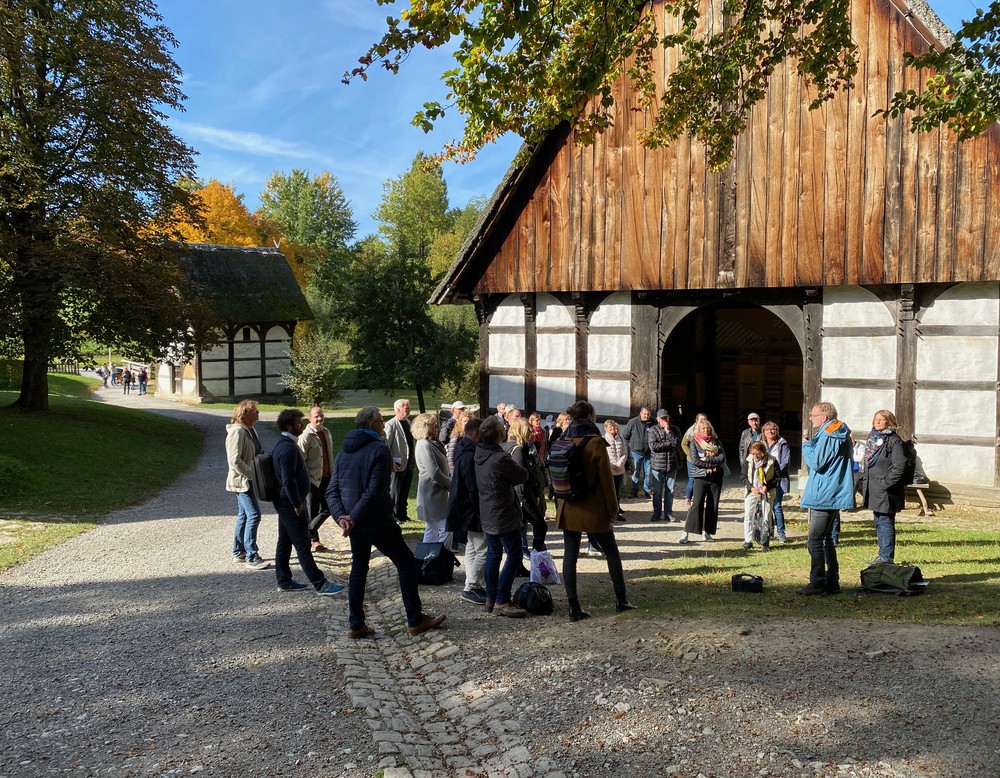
(587, 209)
(873, 265)
(970, 198)
(592, 276)
(524, 266)
(908, 176)
(613, 256)
(634, 191)
(927, 194)
(684, 186)
(836, 194)
(893, 155)
(699, 275)
(810, 174)
(561, 226)
(752, 187)
(947, 189)
(670, 182)
(991, 240)
(773, 163)
(790, 179)
(857, 117)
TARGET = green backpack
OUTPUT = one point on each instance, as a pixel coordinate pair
(889, 578)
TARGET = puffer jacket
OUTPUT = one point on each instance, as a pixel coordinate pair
(830, 486)
(617, 453)
(663, 447)
(531, 493)
(702, 466)
(496, 476)
(359, 486)
(463, 498)
(242, 445)
(882, 484)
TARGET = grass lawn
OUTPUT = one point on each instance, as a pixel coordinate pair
(959, 550)
(61, 471)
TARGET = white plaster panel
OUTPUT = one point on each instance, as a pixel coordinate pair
(609, 397)
(278, 366)
(852, 306)
(506, 350)
(972, 465)
(238, 337)
(859, 357)
(246, 350)
(506, 389)
(215, 386)
(250, 367)
(274, 385)
(218, 351)
(553, 394)
(609, 352)
(163, 380)
(244, 386)
(955, 412)
(614, 311)
(510, 313)
(188, 387)
(214, 369)
(549, 312)
(276, 349)
(276, 333)
(940, 358)
(971, 303)
(857, 405)
(556, 351)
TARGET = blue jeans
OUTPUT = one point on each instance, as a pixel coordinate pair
(293, 530)
(689, 489)
(885, 532)
(499, 582)
(640, 464)
(247, 521)
(388, 540)
(824, 569)
(779, 512)
(663, 492)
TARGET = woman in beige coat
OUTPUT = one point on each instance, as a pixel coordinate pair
(595, 514)
(242, 445)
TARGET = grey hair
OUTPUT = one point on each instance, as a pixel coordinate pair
(366, 417)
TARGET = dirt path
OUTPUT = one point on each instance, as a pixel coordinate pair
(141, 649)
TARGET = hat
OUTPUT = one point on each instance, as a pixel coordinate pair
(458, 404)
(753, 416)
(662, 414)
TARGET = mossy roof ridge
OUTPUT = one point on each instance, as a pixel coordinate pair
(244, 285)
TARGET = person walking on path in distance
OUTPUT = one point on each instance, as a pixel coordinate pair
(594, 514)
(359, 498)
(242, 445)
(293, 515)
(829, 490)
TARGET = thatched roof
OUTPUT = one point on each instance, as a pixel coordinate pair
(246, 285)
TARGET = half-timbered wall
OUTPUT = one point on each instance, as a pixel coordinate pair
(506, 355)
(832, 197)
(609, 356)
(555, 333)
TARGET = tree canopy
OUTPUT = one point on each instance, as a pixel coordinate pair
(525, 67)
(86, 161)
(309, 211)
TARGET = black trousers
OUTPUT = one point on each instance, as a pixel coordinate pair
(316, 506)
(293, 532)
(571, 553)
(399, 490)
(703, 515)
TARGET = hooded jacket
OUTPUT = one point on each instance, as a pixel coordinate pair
(882, 483)
(359, 486)
(496, 476)
(463, 499)
(828, 455)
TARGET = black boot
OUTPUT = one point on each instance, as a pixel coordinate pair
(623, 605)
(575, 612)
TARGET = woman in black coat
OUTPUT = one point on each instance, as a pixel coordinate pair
(882, 482)
(706, 462)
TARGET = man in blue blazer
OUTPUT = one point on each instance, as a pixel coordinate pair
(293, 517)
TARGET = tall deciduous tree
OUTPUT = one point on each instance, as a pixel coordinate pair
(309, 211)
(414, 209)
(86, 160)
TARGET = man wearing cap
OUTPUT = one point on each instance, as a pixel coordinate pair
(750, 434)
(664, 443)
(449, 424)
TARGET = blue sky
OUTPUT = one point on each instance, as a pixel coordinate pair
(263, 81)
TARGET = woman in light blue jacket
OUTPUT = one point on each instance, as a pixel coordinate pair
(433, 479)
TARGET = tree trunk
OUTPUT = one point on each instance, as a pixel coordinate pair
(35, 376)
(420, 398)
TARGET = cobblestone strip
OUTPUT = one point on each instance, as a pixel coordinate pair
(426, 717)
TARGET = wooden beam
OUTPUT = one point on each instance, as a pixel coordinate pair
(645, 359)
(906, 361)
(530, 351)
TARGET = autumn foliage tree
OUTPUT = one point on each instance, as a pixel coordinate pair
(86, 160)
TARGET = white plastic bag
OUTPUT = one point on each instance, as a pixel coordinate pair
(543, 569)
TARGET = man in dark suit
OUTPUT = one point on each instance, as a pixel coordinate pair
(358, 496)
(293, 516)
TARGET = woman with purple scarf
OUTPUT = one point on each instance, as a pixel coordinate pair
(882, 482)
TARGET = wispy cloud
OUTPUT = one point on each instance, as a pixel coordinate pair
(242, 142)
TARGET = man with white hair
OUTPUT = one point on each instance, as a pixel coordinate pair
(401, 446)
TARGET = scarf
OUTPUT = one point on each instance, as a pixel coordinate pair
(875, 445)
(758, 473)
(708, 445)
(579, 428)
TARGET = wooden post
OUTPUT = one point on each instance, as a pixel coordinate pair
(582, 324)
(646, 352)
(812, 360)
(483, 317)
(530, 352)
(906, 361)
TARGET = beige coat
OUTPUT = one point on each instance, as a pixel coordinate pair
(598, 512)
(311, 448)
(241, 448)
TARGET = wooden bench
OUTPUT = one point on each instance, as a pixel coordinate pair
(920, 490)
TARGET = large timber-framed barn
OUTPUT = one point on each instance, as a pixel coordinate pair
(839, 257)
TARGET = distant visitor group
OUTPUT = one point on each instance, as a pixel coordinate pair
(483, 483)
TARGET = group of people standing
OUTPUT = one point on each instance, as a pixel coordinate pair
(125, 377)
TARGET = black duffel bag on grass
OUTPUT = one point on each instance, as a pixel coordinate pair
(889, 578)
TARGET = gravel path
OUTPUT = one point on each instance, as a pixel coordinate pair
(140, 649)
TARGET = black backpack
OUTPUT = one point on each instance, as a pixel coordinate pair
(910, 471)
(265, 482)
(436, 564)
(534, 598)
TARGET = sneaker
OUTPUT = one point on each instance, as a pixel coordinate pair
(621, 519)
(292, 586)
(810, 589)
(706, 536)
(474, 597)
(655, 518)
(426, 622)
(747, 546)
(878, 561)
(361, 632)
(592, 551)
(683, 538)
(782, 539)
(330, 588)
(479, 590)
(623, 605)
(509, 610)
(258, 563)
(240, 557)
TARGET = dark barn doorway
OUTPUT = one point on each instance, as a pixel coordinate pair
(727, 360)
